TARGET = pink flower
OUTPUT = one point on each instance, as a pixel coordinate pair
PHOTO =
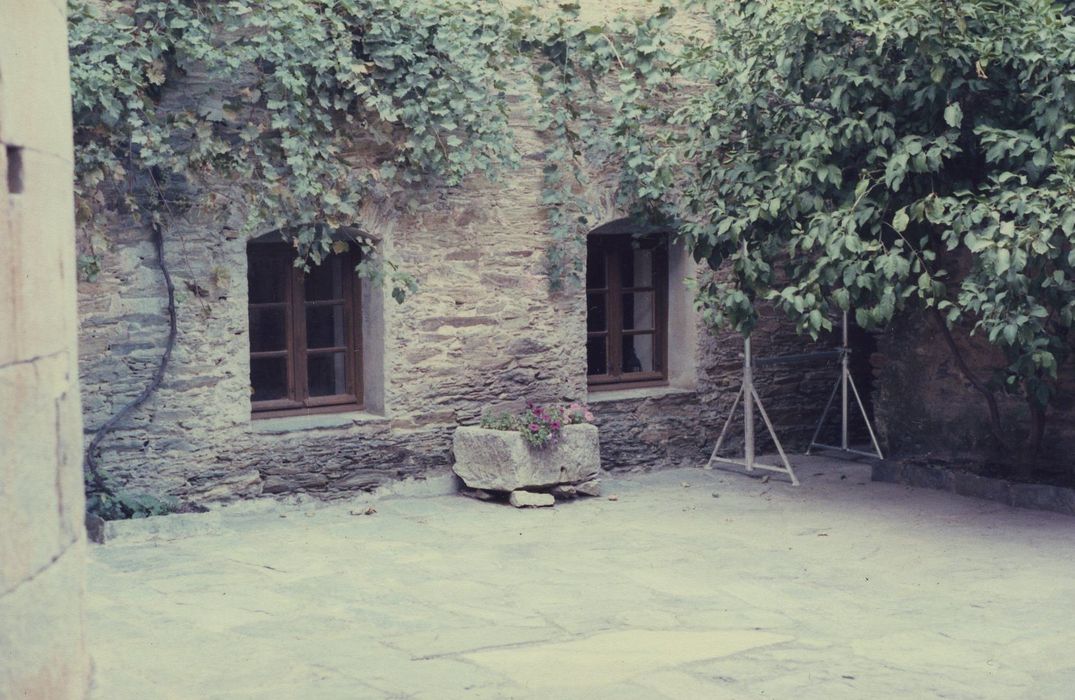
(588, 415)
(533, 427)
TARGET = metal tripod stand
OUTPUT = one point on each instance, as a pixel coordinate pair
(844, 381)
(749, 396)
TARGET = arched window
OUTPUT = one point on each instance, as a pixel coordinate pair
(305, 332)
(626, 310)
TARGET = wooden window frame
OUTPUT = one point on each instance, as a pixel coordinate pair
(611, 247)
(296, 352)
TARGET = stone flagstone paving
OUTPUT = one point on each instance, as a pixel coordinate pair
(693, 584)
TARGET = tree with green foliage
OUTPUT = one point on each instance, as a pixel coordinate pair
(878, 156)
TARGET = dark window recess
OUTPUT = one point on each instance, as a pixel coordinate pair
(13, 154)
(626, 310)
(305, 333)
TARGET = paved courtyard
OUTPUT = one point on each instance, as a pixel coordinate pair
(691, 584)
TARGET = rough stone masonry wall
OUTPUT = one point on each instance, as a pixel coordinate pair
(679, 428)
(42, 541)
(925, 405)
(482, 330)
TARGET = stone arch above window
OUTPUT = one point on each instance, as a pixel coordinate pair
(343, 233)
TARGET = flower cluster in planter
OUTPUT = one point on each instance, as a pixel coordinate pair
(539, 425)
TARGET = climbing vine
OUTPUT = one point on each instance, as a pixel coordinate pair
(297, 113)
(600, 89)
(292, 113)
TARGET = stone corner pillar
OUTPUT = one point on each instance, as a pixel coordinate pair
(42, 537)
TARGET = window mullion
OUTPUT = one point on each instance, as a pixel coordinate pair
(614, 312)
(660, 299)
(346, 292)
(301, 388)
(354, 318)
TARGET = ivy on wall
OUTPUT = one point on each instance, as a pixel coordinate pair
(295, 113)
(290, 116)
(874, 156)
(601, 90)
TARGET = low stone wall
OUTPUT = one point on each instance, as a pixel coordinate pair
(1058, 499)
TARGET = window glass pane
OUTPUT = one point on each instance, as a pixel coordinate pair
(267, 329)
(266, 276)
(595, 267)
(325, 281)
(636, 267)
(596, 315)
(597, 355)
(327, 374)
(268, 377)
(638, 311)
(638, 355)
(325, 327)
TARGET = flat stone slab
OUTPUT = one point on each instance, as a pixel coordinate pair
(613, 657)
(529, 499)
(500, 460)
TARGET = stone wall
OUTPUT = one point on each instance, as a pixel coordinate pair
(42, 541)
(925, 404)
(483, 330)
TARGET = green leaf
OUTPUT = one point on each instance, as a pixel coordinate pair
(953, 115)
(900, 220)
(1004, 260)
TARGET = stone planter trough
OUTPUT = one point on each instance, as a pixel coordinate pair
(500, 460)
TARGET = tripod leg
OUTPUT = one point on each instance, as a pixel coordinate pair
(873, 438)
(824, 415)
(772, 433)
(724, 430)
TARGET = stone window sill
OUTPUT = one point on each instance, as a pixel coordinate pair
(291, 424)
(636, 394)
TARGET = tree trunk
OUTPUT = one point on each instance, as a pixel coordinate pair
(1034, 439)
(990, 399)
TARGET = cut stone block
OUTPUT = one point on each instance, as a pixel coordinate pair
(500, 460)
(527, 499)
